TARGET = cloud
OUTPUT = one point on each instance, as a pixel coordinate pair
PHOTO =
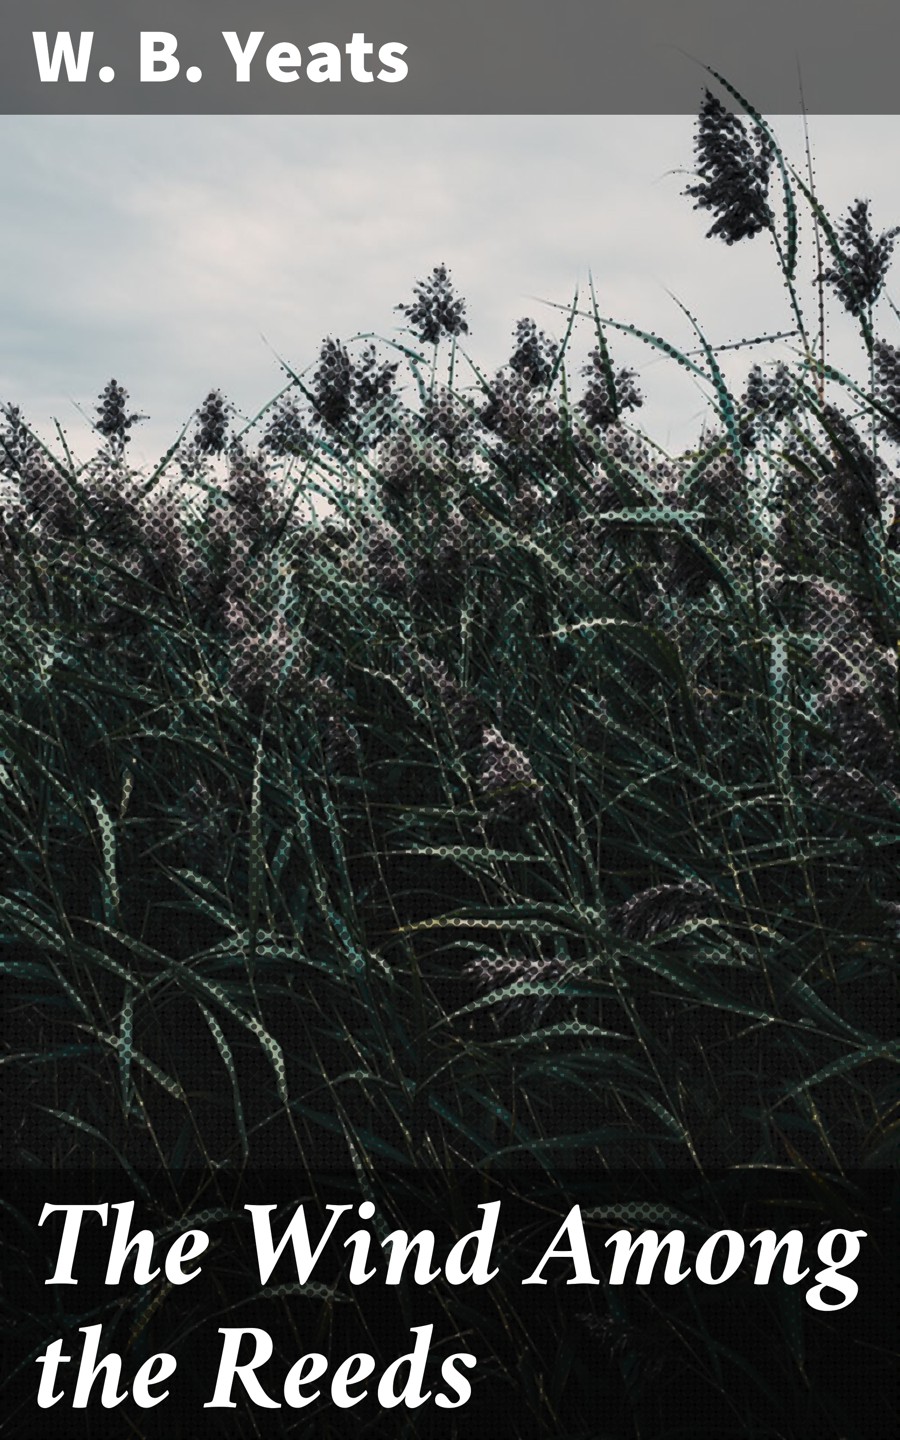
(162, 250)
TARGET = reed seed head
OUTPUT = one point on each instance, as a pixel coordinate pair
(446, 419)
(373, 388)
(387, 570)
(285, 434)
(16, 443)
(507, 778)
(860, 272)
(660, 908)
(529, 427)
(887, 387)
(333, 380)
(534, 355)
(733, 175)
(495, 972)
(436, 310)
(603, 402)
(212, 424)
(851, 482)
(113, 421)
(772, 397)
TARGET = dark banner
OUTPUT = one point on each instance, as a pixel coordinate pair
(402, 57)
(509, 1304)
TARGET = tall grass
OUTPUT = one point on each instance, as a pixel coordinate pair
(437, 773)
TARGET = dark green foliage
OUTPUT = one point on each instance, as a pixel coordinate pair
(461, 784)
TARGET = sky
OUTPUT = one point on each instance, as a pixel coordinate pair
(184, 253)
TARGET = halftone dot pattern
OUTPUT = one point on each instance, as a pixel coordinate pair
(523, 985)
(436, 310)
(456, 693)
(733, 168)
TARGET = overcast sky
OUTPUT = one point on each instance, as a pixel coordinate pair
(182, 253)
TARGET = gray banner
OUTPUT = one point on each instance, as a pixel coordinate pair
(560, 57)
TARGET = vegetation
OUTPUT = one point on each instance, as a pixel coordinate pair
(445, 777)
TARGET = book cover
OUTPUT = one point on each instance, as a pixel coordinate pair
(449, 781)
